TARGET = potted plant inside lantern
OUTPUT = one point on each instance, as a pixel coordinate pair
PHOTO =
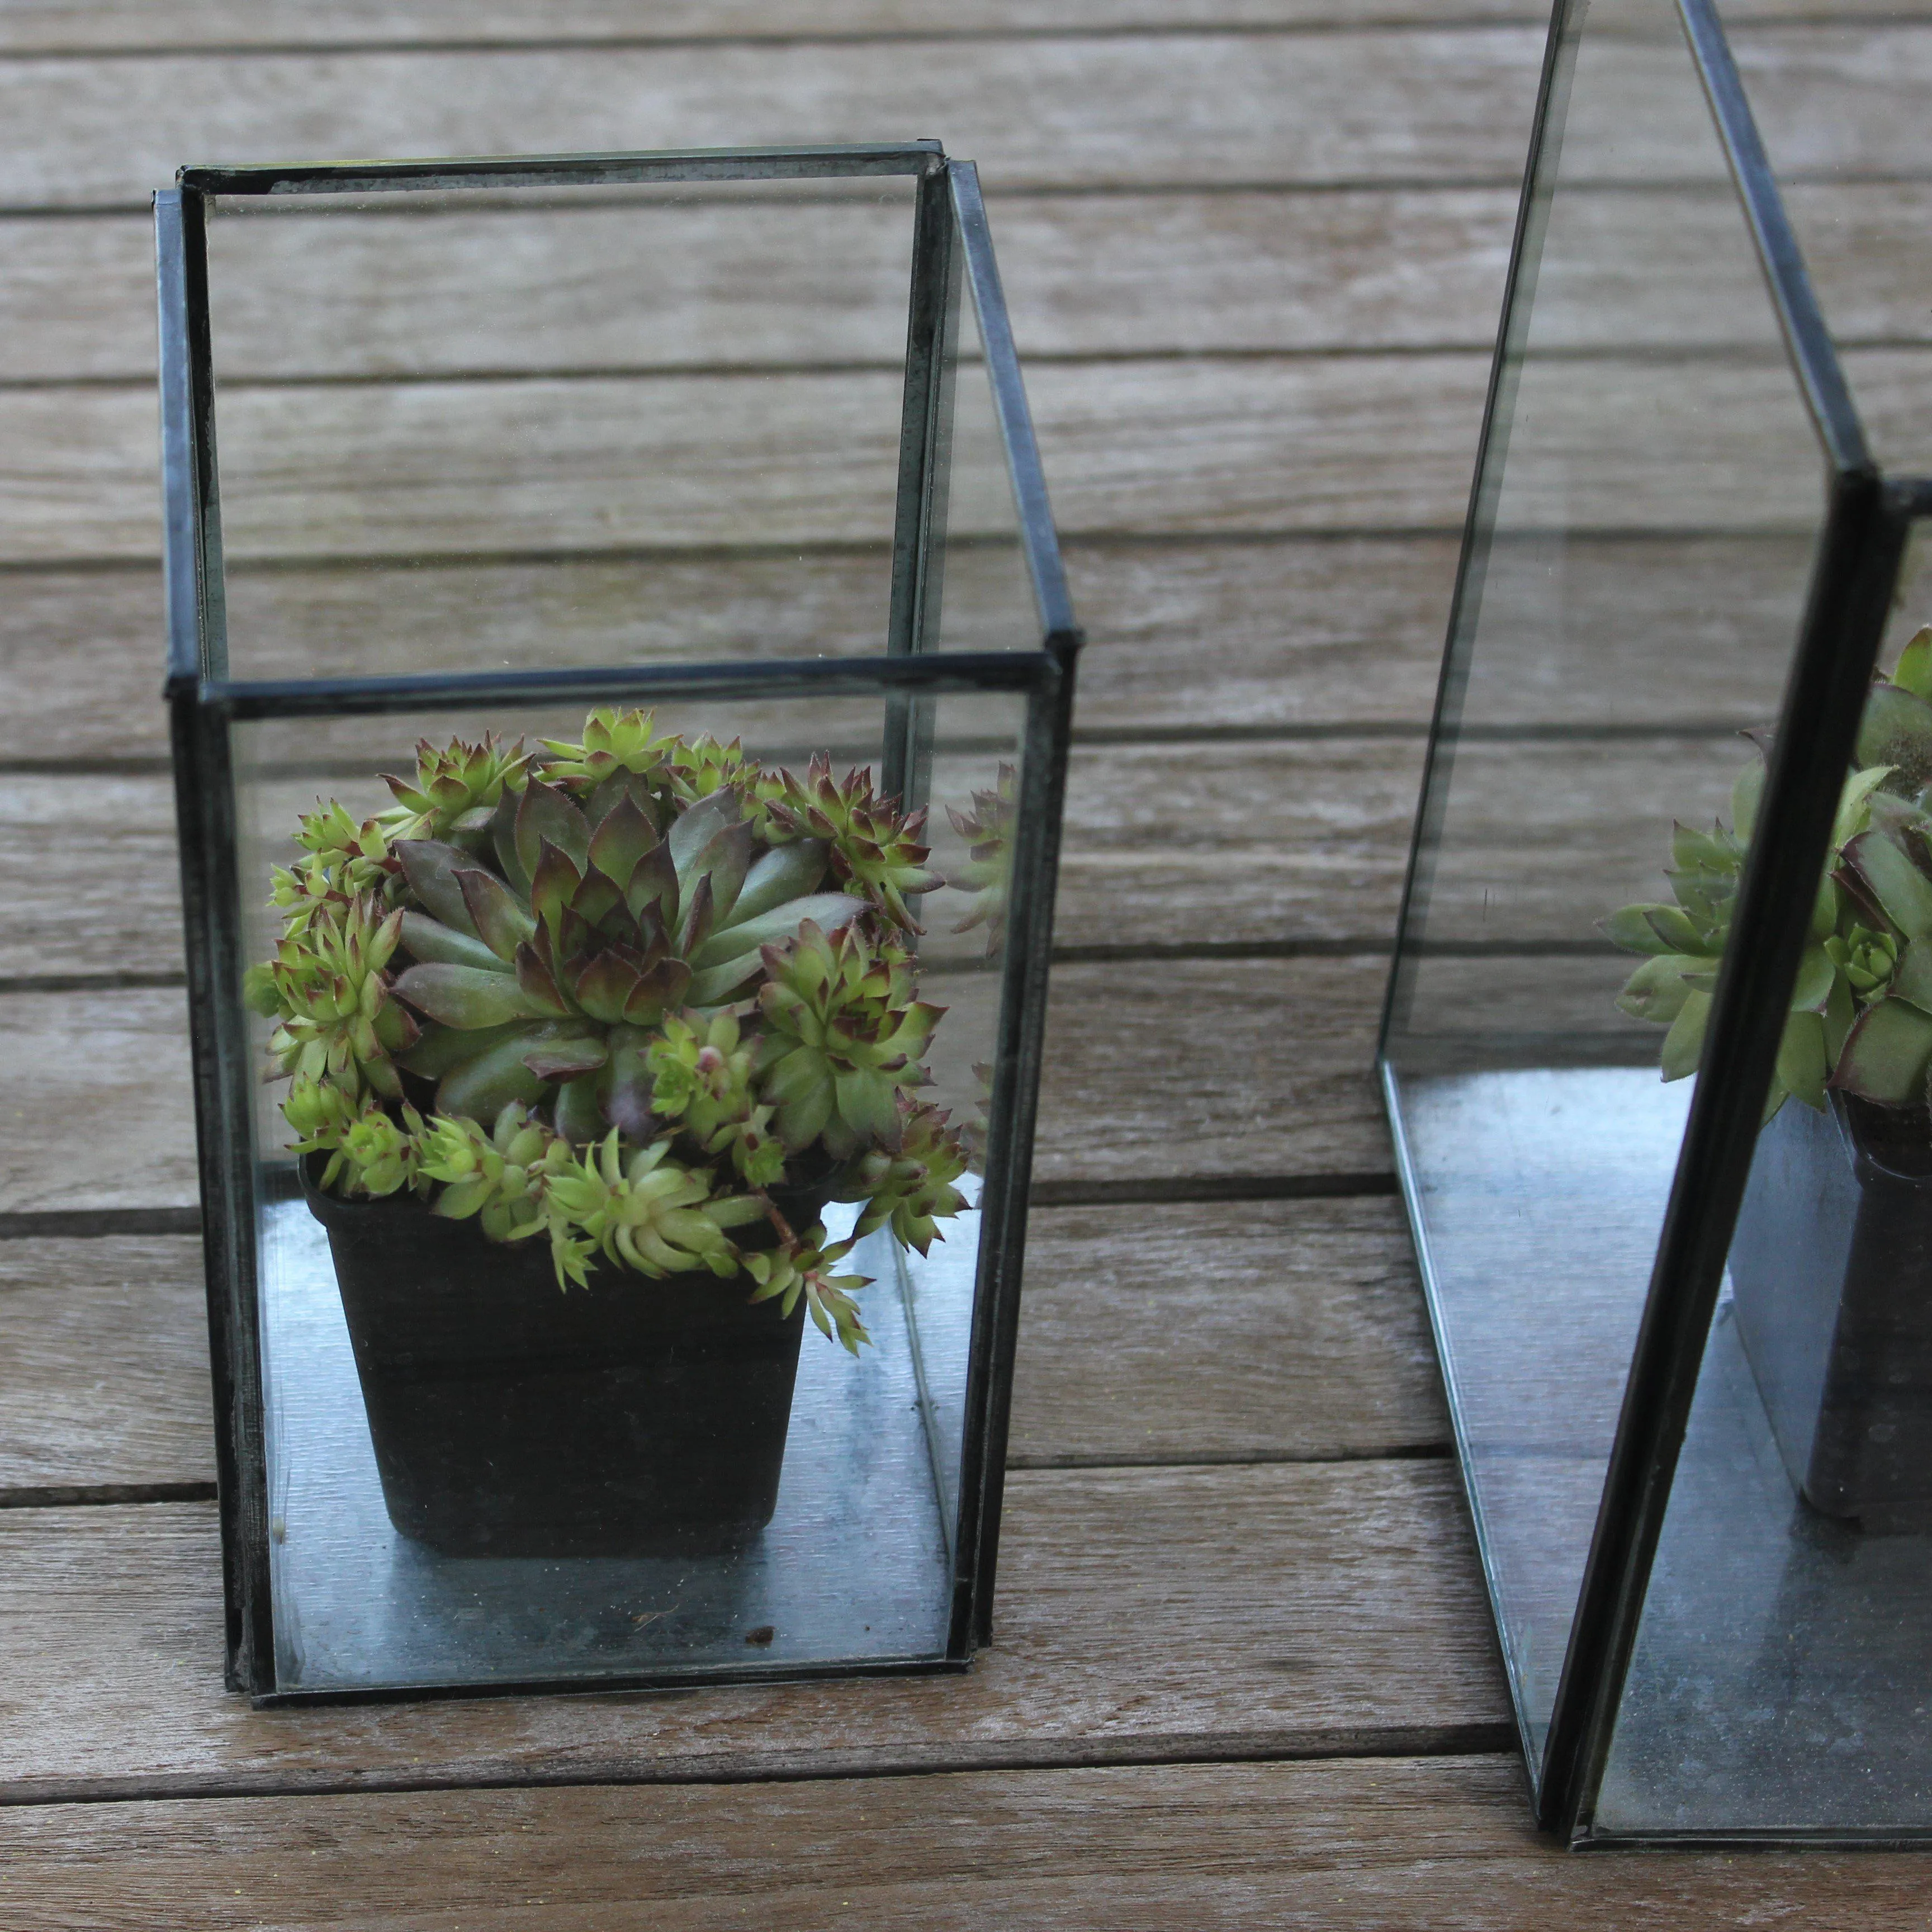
(580, 1043)
(1831, 1264)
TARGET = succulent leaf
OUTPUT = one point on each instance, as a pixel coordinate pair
(483, 1086)
(430, 868)
(1896, 730)
(1902, 892)
(501, 921)
(1913, 671)
(1886, 1054)
(465, 997)
(431, 942)
(1683, 1044)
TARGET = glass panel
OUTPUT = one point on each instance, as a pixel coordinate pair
(480, 429)
(989, 603)
(1839, 102)
(1784, 1666)
(476, 1476)
(1649, 513)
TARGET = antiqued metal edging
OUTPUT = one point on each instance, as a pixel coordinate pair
(1850, 599)
(918, 519)
(1807, 339)
(951, 246)
(1012, 1111)
(1016, 432)
(204, 806)
(514, 171)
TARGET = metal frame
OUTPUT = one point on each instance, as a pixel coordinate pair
(952, 249)
(1856, 569)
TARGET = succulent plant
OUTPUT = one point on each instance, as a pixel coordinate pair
(615, 994)
(1860, 1020)
(843, 1034)
(873, 850)
(803, 1268)
(542, 981)
(987, 874)
(643, 1208)
(328, 986)
(907, 1186)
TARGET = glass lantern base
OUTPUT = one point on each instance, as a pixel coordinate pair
(1773, 1693)
(852, 1570)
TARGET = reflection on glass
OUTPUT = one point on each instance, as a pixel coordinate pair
(1797, 1533)
(1647, 518)
(521, 428)
(606, 1057)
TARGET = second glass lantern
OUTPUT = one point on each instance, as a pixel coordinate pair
(620, 674)
(1685, 1311)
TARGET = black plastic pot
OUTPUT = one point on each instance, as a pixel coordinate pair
(1832, 1270)
(634, 1417)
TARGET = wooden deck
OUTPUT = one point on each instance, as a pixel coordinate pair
(1243, 1674)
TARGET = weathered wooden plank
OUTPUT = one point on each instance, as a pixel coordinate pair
(654, 286)
(1164, 1333)
(737, 282)
(67, 26)
(1166, 844)
(1130, 273)
(104, 1364)
(555, 466)
(99, 1111)
(70, 25)
(1401, 1845)
(1253, 1329)
(1398, 104)
(1143, 1612)
(1166, 1071)
(1195, 446)
(1295, 631)
(1891, 392)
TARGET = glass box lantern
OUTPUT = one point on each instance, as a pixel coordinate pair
(620, 670)
(1686, 1321)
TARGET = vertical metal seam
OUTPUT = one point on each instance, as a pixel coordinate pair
(1024, 468)
(1013, 1110)
(1846, 607)
(1525, 250)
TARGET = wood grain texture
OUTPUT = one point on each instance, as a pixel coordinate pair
(1402, 1845)
(1298, 631)
(1162, 448)
(1163, 1333)
(1382, 103)
(125, 25)
(1198, 1334)
(104, 1364)
(1398, 103)
(644, 285)
(45, 25)
(1162, 273)
(1165, 843)
(1189, 1069)
(1250, 843)
(1144, 1613)
(111, 1068)
(1198, 446)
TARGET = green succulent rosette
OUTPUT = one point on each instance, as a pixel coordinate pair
(1860, 1018)
(619, 994)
